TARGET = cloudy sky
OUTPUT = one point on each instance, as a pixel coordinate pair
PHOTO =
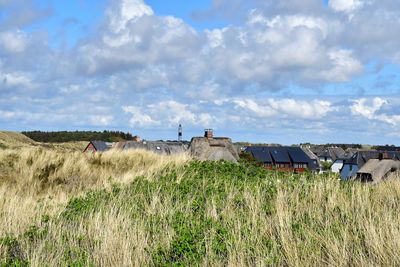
(285, 71)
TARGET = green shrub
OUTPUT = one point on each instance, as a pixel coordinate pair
(14, 255)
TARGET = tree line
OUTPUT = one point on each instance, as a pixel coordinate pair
(67, 136)
(344, 146)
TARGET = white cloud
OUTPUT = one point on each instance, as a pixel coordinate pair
(215, 37)
(252, 106)
(370, 109)
(17, 79)
(14, 41)
(289, 21)
(347, 6)
(287, 108)
(168, 114)
(139, 119)
(343, 66)
(218, 77)
(99, 120)
(314, 109)
(124, 11)
(174, 112)
(367, 108)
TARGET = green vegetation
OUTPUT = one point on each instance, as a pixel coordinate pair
(65, 136)
(326, 165)
(344, 146)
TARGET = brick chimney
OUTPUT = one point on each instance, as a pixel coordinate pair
(209, 133)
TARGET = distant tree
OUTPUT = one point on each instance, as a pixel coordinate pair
(66, 136)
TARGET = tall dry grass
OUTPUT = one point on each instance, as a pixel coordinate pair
(208, 214)
(36, 181)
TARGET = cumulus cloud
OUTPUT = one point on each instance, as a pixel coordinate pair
(287, 108)
(168, 114)
(138, 118)
(123, 11)
(13, 41)
(343, 66)
(16, 80)
(371, 109)
(265, 51)
(367, 108)
(101, 120)
(345, 5)
(160, 71)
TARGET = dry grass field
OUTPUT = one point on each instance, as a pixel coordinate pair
(14, 140)
(63, 208)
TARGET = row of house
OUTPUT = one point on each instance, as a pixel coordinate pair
(363, 165)
(352, 164)
(293, 159)
(207, 147)
(328, 154)
(159, 147)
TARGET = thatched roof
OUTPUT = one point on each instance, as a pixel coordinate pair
(376, 170)
(213, 149)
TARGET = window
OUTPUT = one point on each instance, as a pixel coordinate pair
(282, 165)
(300, 165)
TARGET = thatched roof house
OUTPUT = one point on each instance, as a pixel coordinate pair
(213, 148)
(375, 170)
(352, 165)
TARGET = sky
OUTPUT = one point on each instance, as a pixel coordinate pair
(290, 71)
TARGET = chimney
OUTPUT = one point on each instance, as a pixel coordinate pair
(208, 133)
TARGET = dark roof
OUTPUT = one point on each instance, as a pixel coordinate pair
(290, 155)
(388, 148)
(298, 155)
(349, 153)
(279, 155)
(329, 152)
(100, 145)
(361, 157)
(262, 155)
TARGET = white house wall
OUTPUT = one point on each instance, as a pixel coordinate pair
(336, 166)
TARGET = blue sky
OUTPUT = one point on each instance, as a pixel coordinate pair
(264, 71)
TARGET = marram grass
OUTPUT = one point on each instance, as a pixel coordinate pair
(139, 209)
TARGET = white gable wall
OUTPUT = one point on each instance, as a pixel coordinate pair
(337, 165)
